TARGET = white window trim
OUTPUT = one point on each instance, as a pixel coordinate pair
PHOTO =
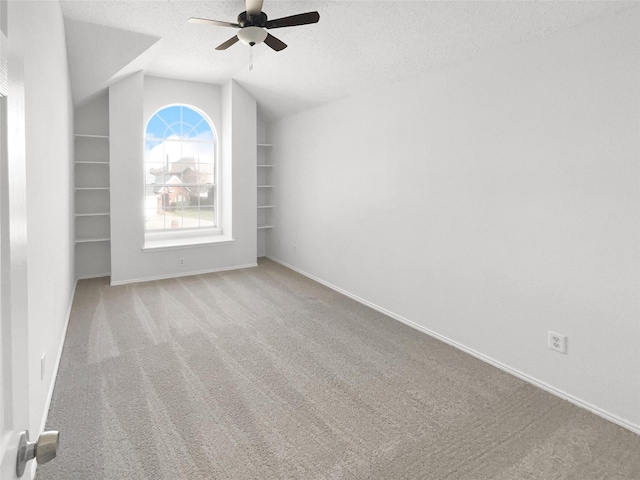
(163, 240)
(199, 237)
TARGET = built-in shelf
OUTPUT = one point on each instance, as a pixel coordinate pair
(85, 135)
(265, 192)
(92, 240)
(93, 250)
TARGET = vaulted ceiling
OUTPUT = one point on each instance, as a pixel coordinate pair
(356, 45)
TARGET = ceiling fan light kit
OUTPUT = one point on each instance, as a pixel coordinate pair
(252, 35)
(253, 25)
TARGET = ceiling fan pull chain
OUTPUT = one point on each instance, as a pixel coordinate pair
(251, 58)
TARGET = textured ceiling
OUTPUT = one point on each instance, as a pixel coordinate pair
(356, 45)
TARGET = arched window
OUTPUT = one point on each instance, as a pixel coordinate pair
(180, 173)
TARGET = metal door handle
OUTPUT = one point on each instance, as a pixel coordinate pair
(43, 450)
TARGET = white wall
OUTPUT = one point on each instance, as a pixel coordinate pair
(243, 159)
(92, 117)
(131, 101)
(49, 154)
(487, 203)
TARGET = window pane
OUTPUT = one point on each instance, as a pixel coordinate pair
(171, 118)
(192, 120)
(206, 168)
(156, 127)
(154, 219)
(206, 174)
(183, 217)
(204, 132)
(153, 158)
(206, 152)
(179, 170)
(208, 196)
(207, 217)
(174, 220)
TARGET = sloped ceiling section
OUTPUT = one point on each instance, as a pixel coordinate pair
(98, 53)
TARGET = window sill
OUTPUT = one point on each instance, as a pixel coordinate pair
(159, 244)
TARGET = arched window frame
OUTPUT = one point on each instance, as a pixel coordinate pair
(181, 230)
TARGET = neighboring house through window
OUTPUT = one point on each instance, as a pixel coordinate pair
(181, 169)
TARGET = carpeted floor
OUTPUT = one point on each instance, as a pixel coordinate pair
(263, 374)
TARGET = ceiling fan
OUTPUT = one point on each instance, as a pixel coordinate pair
(253, 25)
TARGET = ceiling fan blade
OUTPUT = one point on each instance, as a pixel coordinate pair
(228, 43)
(254, 7)
(275, 43)
(215, 23)
(293, 20)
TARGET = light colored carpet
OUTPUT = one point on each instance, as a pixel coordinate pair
(264, 374)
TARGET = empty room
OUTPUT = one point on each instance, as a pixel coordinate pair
(275, 239)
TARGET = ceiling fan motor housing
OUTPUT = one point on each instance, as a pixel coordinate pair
(246, 20)
(252, 29)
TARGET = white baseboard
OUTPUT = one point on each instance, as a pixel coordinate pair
(56, 364)
(506, 368)
(54, 375)
(185, 274)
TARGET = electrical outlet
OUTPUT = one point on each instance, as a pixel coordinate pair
(557, 342)
(43, 365)
(181, 261)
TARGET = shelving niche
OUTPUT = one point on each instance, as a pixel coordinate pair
(265, 194)
(265, 186)
(93, 250)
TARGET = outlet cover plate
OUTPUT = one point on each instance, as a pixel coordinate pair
(557, 342)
